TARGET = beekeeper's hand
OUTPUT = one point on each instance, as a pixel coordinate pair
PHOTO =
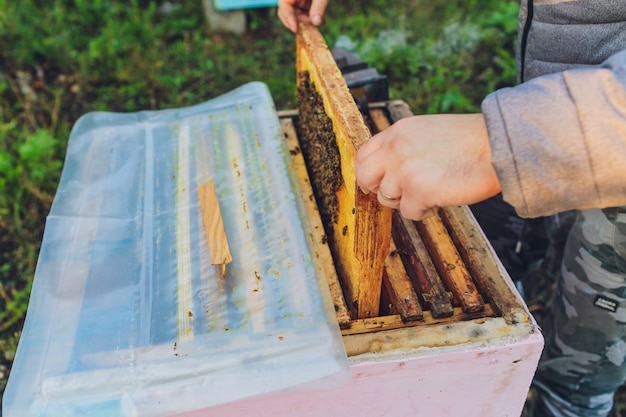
(429, 161)
(291, 12)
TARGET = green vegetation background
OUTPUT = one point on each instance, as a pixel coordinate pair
(60, 59)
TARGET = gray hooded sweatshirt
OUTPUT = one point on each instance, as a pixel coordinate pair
(559, 139)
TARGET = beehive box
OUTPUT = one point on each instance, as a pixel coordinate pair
(450, 336)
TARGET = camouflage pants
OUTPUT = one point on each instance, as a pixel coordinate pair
(583, 362)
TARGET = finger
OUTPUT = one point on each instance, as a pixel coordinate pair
(389, 193)
(368, 167)
(387, 201)
(429, 212)
(371, 146)
(369, 173)
(287, 15)
(291, 23)
(414, 206)
(417, 214)
(317, 11)
(414, 212)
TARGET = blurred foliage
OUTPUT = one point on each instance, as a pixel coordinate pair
(62, 58)
(438, 57)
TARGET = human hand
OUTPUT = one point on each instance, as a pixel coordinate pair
(291, 12)
(429, 161)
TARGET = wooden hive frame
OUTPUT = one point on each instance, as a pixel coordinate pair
(420, 307)
(440, 281)
(359, 228)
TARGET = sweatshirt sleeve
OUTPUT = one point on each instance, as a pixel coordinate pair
(559, 141)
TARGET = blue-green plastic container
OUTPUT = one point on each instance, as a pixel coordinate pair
(243, 4)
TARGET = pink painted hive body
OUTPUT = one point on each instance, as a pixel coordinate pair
(471, 381)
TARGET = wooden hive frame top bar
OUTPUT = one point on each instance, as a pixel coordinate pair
(360, 232)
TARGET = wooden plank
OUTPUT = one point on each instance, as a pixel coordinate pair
(322, 251)
(379, 119)
(483, 264)
(449, 264)
(395, 321)
(381, 122)
(214, 225)
(420, 267)
(474, 248)
(447, 260)
(399, 110)
(360, 229)
(400, 288)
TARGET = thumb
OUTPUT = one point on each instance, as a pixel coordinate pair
(317, 11)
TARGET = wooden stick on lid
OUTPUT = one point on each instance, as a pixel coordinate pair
(214, 226)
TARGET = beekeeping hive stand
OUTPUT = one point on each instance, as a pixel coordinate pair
(451, 336)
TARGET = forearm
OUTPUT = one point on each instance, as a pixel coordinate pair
(559, 141)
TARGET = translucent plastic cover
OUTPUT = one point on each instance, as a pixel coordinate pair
(128, 317)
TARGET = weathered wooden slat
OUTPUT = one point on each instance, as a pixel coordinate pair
(400, 288)
(482, 263)
(394, 321)
(321, 245)
(399, 110)
(449, 264)
(417, 261)
(420, 267)
(441, 247)
(379, 119)
(361, 228)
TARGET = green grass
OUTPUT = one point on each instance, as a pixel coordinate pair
(62, 58)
